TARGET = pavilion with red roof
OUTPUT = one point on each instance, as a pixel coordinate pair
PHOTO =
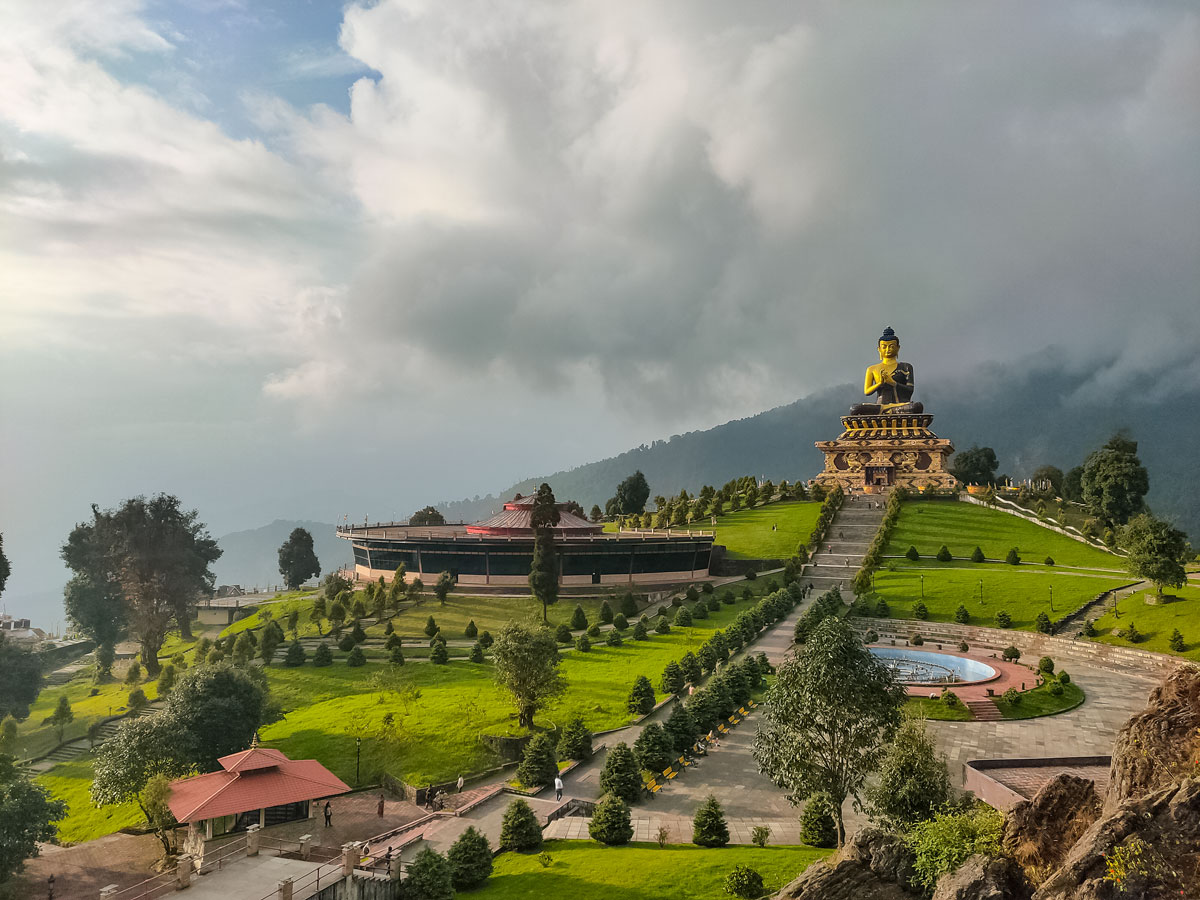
(258, 786)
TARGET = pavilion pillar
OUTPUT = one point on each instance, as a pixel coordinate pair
(349, 858)
(285, 889)
(253, 840)
(305, 846)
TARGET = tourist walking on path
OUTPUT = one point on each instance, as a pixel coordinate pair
(558, 787)
(460, 783)
(379, 807)
(328, 814)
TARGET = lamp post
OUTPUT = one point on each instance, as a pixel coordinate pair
(357, 758)
(922, 577)
(1051, 598)
(981, 592)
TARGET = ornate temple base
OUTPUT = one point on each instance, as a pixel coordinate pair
(875, 452)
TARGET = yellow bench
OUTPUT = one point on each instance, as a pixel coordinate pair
(685, 763)
(652, 786)
(669, 773)
(722, 729)
(742, 712)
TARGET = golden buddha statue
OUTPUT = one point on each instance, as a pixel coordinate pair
(891, 381)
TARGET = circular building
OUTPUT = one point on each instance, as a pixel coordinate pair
(499, 551)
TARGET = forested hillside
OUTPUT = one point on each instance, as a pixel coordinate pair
(1031, 415)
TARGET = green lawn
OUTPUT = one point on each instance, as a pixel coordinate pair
(36, 739)
(925, 708)
(747, 534)
(1157, 622)
(584, 870)
(1040, 702)
(441, 710)
(962, 527)
(71, 781)
(1021, 591)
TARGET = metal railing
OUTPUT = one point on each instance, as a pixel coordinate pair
(158, 886)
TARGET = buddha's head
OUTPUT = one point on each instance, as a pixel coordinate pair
(889, 345)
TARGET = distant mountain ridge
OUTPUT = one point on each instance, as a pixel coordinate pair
(1029, 413)
(251, 558)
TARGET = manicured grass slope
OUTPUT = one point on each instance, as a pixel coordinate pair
(1040, 702)
(37, 739)
(71, 781)
(1157, 622)
(1079, 574)
(747, 534)
(584, 870)
(962, 527)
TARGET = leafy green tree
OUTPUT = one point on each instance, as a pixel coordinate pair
(539, 764)
(913, 782)
(297, 560)
(632, 494)
(470, 859)
(9, 736)
(97, 609)
(596, 514)
(611, 823)
(1072, 487)
(220, 708)
(526, 663)
(621, 776)
(1051, 475)
(641, 696)
(5, 570)
(1157, 552)
(606, 614)
(62, 716)
(975, 466)
(520, 831)
(441, 589)
(429, 877)
(1114, 483)
(709, 828)
(166, 679)
(672, 678)
(743, 881)
(654, 748)
(427, 516)
(140, 749)
(828, 715)
(818, 823)
(157, 554)
(576, 741)
(319, 611)
(20, 678)
(156, 797)
(27, 817)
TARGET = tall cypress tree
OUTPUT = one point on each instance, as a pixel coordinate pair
(543, 575)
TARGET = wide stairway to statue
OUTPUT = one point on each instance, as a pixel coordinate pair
(840, 555)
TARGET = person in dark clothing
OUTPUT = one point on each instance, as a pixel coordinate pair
(328, 814)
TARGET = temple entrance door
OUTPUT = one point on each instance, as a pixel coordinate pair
(879, 476)
(595, 578)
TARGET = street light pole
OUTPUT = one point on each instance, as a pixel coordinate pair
(357, 759)
(1051, 598)
(922, 577)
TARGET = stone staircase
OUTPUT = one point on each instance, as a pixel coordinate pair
(835, 562)
(76, 748)
(984, 710)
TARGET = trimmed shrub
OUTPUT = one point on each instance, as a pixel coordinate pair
(977, 555)
(621, 776)
(950, 699)
(962, 615)
(579, 620)
(641, 696)
(662, 626)
(562, 634)
(394, 640)
(713, 603)
(428, 877)
(1176, 642)
(1042, 623)
(1131, 634)
(759, 835)
(323, 656)
(294, 657)
(882, 610)
(1064, 678)
(1012, 697)
(476, 653)
(871, 637)
(439, 656)
(912, 554)
(1046, 665)
(1089, 628)
(920, 610)
(818, 828)
(699, 611)
(1056, 689)
(594, 631)
(619, 622)
(1012, 654)
(944, 554)
(471, 631)
(1013, 558)
(1049, 560)
(672, 678)
(727, 598)
(346, 644)
(745, 882)
(629, 605)
(356, 658)
(539, 764)
(708, 827)
(611, 822)
(397, 656)
(357, 632)
(963, 646)
(470, 859)
(654, 749)
(431, 627)
(639, 631)
(582, 644)
(683, 618)
(486, 639)
(1003, 619)
(606, 613)
(520, 831)
(613, 638)
(576, 740)
(916, 640)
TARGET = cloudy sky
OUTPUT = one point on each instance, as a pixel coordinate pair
(306, 259)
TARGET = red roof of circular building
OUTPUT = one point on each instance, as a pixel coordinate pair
(515, 519)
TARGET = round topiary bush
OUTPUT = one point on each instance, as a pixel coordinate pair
(582, 644)
(662, 626)
(1012, 654)
(1012, 697)
(619, 622)
(346, 644)
(951, 699)
(700, 611)
(356, 658)
(562, 633)
(520, 831)
(1046, 665)
(1064, 678)
(611, 821)
(476, 653)
(594, 631)
(963, 646)
(613, 638)
(744, 882)
(1056, 689)
(871, 637)
(916, 640)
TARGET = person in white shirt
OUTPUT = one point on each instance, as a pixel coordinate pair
(558, 787)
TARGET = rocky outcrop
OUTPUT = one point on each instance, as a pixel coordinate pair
(984, 878)
(875, 865)
(1161, 830)
(1157, 745)
(1040, 832)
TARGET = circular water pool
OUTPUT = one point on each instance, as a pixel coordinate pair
(912, 666)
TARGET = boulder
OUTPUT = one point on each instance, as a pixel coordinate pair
(1157, 745)
(984, 878)
(1039, 832)
(874, 865)
(1165, 826)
